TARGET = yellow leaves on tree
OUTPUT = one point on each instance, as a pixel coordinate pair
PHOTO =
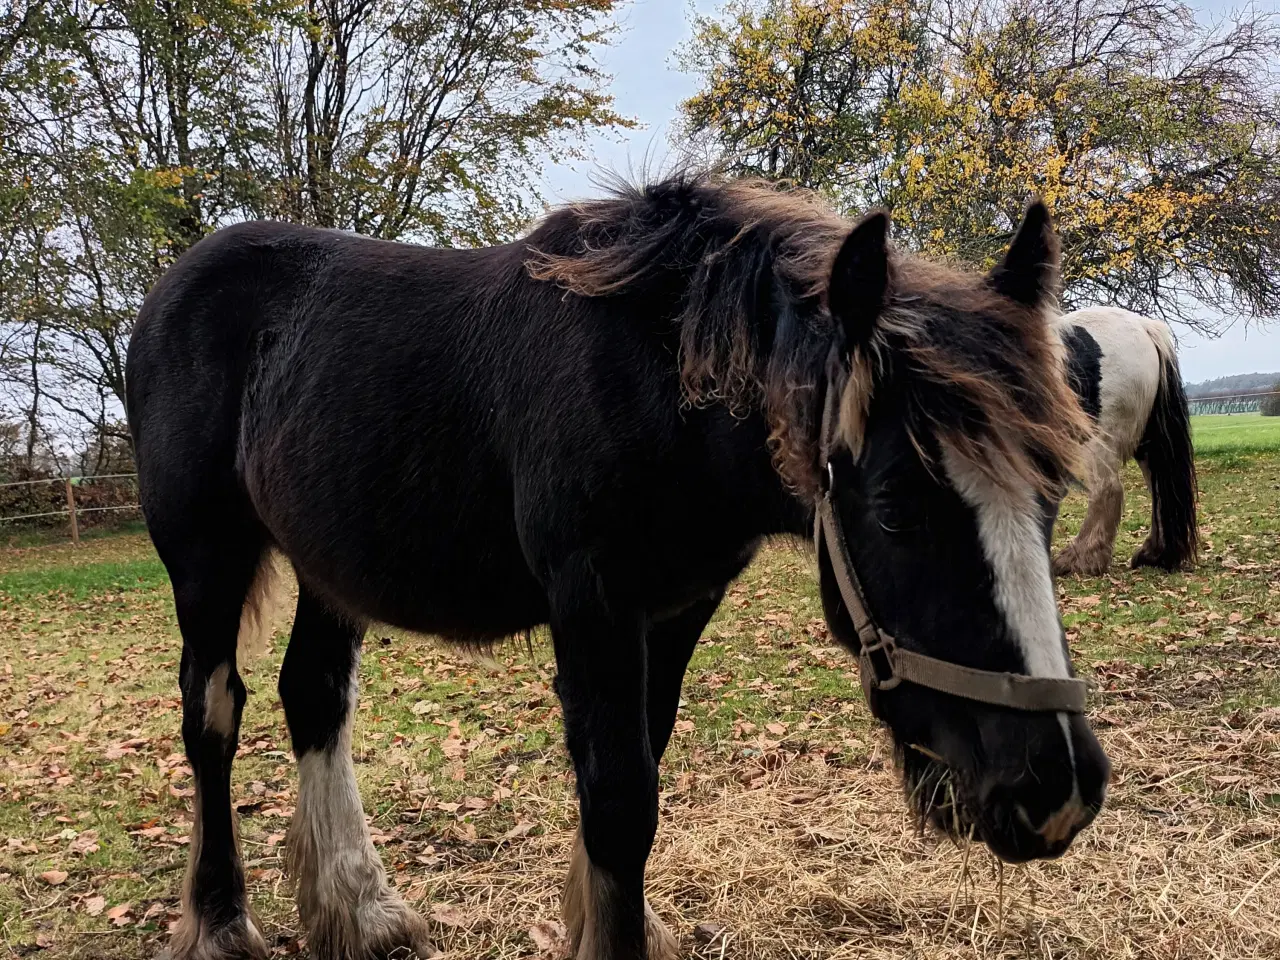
(1155, 141)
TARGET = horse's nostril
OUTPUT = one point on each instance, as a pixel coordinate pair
(1061, 825)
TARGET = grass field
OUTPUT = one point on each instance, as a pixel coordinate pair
(1238, 433)
(782, 820)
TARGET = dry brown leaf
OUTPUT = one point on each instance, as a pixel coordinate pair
(448, 915)
(707, 932)
(822, 835)
(54, 877)
(549, 937)
(519, 830)
(86, 843)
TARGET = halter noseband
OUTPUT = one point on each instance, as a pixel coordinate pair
(883, 665)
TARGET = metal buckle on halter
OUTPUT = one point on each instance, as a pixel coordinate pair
(876, 677)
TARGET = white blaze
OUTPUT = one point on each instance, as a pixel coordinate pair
(1011, 530)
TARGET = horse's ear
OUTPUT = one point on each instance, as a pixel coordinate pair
(1029, 271)
(860, 278)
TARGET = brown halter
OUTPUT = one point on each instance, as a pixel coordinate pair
(883, 664)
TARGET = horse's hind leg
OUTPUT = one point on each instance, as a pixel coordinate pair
(1089, 554)
(1153, 552)
(349, 910)
(212, 577)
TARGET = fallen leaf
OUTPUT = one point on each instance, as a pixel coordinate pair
(519, 830)
(54, 877)
(119, 915)
(821, 835)
(549, 937)
(706, 933)
(154, 910)
(86, 843)
(447, 915)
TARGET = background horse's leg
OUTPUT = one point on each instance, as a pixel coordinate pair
(211, 581)
(1089, 554)
(1153, 548)
(349, 910)
(600, 661)
(669, 645)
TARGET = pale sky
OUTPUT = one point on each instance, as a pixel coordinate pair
(648, 87)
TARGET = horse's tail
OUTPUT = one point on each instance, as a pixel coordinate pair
(1166, 456)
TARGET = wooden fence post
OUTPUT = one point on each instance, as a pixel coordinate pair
(71, 510)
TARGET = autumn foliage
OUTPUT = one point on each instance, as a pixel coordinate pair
(1153, 137)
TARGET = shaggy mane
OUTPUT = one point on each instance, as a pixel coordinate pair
(753, 260)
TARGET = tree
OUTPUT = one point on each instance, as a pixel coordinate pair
(1270, 406)
(135, 127)
(427, 118)
(1155, 139)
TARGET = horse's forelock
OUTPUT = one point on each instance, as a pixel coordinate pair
(983, 374)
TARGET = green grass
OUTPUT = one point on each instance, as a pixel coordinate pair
(1237, 433)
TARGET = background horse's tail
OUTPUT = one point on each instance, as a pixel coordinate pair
(1166, 457)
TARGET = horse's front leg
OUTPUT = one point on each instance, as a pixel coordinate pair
(600, 660)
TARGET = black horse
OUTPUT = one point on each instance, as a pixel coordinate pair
(595, 427)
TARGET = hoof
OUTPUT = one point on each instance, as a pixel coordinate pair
(238, 940)
(1069, 563)
(385, 929)
(1154, 557)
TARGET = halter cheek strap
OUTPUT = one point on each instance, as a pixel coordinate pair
(883, 665)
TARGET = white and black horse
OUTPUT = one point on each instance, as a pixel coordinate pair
(595, 427)
(1124, 369)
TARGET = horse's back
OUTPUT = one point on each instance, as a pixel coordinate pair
(1129, 370)
(424, 432)
(327, 383)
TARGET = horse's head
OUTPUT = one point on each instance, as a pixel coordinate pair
(951, 430)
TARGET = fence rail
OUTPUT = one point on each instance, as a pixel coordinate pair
(1229, 403)
(73, 510)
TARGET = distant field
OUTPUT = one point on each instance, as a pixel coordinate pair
(1236, 433)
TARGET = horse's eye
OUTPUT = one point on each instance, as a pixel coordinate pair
(899, 511)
